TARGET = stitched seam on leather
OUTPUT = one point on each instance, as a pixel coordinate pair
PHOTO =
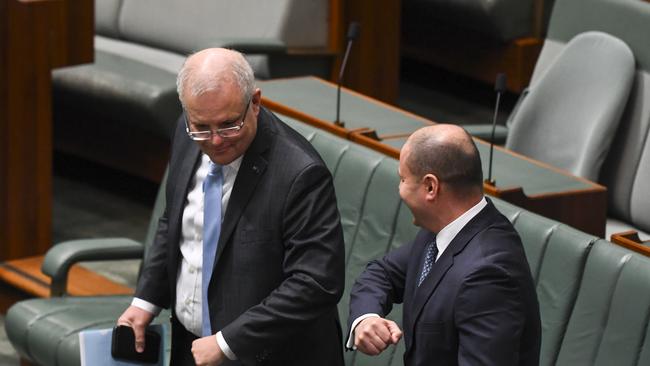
(624, 261)
(575, 298)
(547, 240)
(29, 328)
(361, 212)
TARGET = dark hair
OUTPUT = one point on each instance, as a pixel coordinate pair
(454, 161)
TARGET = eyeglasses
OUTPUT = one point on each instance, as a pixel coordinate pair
(225, 132)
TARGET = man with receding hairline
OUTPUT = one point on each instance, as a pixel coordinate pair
(249, 251)
(464, 281)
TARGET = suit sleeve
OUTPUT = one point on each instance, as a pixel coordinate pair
(313, 265)
(153, 281)
(490, 318)
(380, 285)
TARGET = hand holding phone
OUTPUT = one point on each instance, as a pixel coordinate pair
(123, 345)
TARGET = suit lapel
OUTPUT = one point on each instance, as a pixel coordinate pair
(445, 262)
(179, 196)
(251, 171)
(429, 285)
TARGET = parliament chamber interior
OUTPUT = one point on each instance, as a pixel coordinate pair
(89, 106)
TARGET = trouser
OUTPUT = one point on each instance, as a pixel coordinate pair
(181, 353)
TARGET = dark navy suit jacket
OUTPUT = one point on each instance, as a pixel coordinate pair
(478, 305)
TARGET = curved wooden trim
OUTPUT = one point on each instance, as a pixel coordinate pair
(373, 144)
(630, 239)
(565, 206)
(304, 117)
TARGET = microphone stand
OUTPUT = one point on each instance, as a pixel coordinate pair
(353, 33)
(499, 87)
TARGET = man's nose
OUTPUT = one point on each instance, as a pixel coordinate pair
(216, 139)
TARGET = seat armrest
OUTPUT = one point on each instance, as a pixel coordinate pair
(252, 45)
(62, 256)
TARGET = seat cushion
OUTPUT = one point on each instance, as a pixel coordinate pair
(47, 330)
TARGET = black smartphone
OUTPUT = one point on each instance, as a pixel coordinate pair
(123, 345)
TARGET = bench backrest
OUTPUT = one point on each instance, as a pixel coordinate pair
(626, 170)
(564, 263)
(190, 25)
(609, 322)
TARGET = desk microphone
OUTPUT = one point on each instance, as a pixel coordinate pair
(353, 34)
(499, 87)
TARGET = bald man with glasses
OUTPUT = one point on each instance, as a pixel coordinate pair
(249, 253)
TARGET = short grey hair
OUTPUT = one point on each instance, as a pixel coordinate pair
(239, 71)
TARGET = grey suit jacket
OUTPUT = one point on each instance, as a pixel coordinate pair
(279, 267)
(477, 306)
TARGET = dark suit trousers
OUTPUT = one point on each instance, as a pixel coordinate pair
(181, 353)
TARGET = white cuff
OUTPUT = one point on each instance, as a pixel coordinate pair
(224, 347)
(350, 343)
(146, 306)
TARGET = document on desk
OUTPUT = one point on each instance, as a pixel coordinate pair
(95, 348)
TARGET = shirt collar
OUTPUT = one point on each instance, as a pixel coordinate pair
(231, 168)
(449, 232)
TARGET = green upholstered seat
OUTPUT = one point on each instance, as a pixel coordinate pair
(609, 323)
(46, 331)
(626, 171)
(128, 94)
(570, 114)
(575, 275)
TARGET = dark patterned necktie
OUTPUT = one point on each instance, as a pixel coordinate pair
(430, 258)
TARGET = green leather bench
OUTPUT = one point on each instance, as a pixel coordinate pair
(594, 296)
(128, 94)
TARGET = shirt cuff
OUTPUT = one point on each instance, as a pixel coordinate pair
(350, 343)
(224, 347)
(146, 306)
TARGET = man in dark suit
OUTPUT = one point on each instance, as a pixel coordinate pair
(468, 295)
(253, 276)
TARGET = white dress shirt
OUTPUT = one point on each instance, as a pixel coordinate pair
(188, 282)
(443, 239)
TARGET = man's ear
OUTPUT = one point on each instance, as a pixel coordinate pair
(256, 100)
(432, 186)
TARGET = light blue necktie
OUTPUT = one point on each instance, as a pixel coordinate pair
(429, 260)
(211, 230)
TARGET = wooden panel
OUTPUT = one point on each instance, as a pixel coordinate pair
(35, 36)
(373, 67)
(26, 166)
(478, 59)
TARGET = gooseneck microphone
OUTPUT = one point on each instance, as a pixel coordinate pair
(353, 34)
(499, 87)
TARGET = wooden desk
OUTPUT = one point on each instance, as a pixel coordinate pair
(520, 180)
(35, 37)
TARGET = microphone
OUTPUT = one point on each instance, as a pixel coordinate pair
(353, 34)
(499, 87)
